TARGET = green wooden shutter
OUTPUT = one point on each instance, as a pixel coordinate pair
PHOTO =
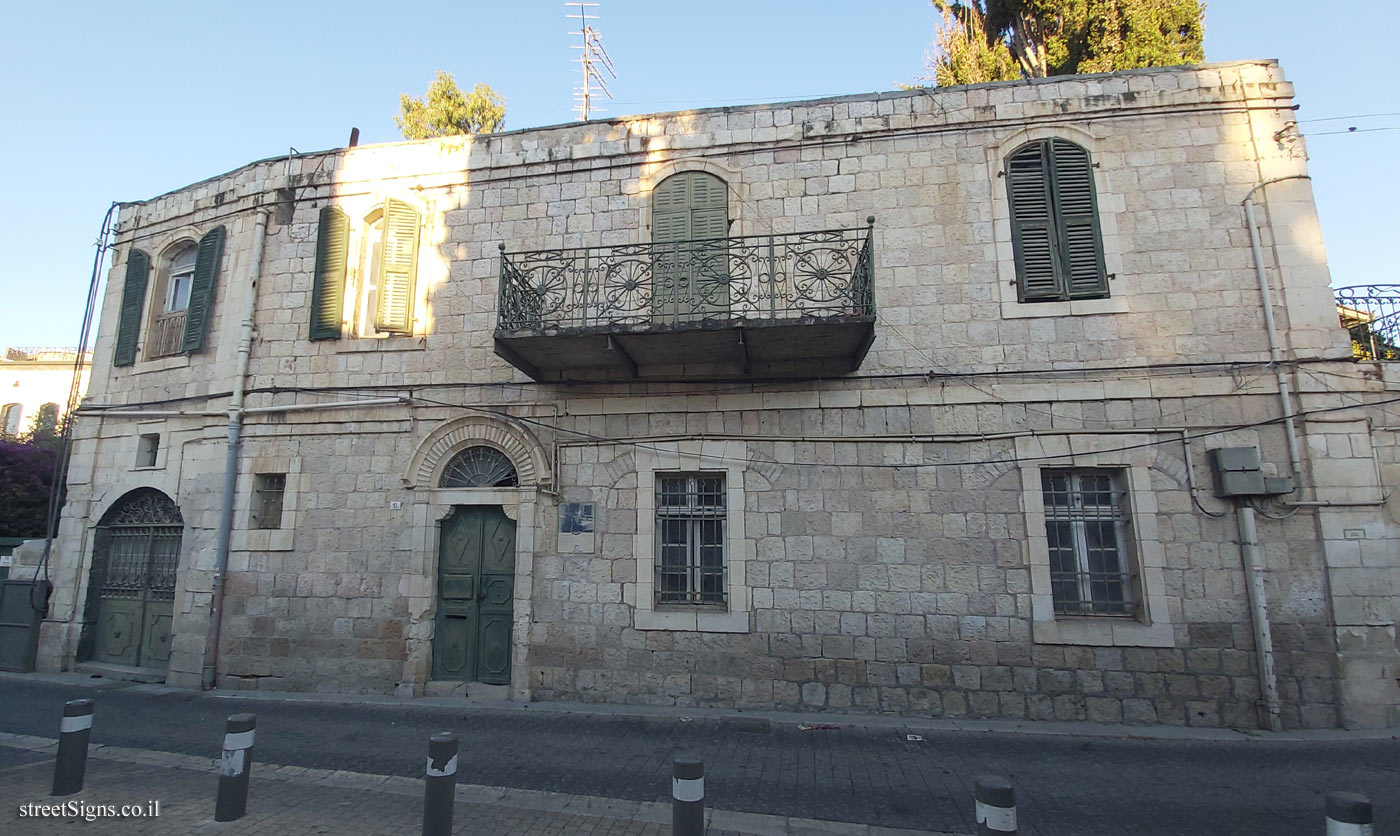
(206, 270)
(328, 284)
(138, 268)
(690, 281)
(1033, 235)
(398, 267)
(1077, 219)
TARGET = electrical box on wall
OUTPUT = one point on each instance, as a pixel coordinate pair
(1237, 471)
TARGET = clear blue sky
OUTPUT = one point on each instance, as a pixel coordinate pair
(110, 101)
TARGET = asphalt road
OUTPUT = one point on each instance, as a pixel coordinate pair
(1077, 785)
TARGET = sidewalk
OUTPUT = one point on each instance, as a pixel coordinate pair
(299, 800)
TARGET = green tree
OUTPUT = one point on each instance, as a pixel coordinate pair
(979, 38)
(447, 111)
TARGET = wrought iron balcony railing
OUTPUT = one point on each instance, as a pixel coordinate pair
(1371, 313)
(803, 275)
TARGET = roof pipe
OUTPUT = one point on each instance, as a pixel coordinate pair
(208, 673)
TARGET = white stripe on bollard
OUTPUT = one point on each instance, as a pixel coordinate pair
(449, 768)
(1342, 828)
(1001, 819)
(238, 740)
(688, 789)
(72, 724)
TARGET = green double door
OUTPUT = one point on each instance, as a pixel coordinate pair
(135, 609)
(476, 584)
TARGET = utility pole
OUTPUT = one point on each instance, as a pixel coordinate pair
(594, 59)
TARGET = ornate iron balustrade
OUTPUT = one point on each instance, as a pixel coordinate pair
(798, 275)
(1371, 313)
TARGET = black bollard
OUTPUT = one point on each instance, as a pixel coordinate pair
(440, 784)
(70, 766)
(1349, 814)
(234, 767)
(996, 806)
(687, 797)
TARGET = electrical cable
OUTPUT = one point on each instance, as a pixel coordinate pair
(75, 388)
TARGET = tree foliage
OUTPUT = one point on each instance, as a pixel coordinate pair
(1000, 40)
(26, 471)
(447, 111)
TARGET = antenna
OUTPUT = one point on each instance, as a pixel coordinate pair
(593, 58)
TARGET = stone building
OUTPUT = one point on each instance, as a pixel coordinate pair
(34, 383)
(899, 402)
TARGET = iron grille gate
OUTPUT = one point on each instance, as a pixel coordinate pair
(139, 554)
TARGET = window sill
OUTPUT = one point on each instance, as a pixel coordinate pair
(1103, 632)
(1075, 307)
(160, 364)
(693, 620)
(416, 342)
(262, 540)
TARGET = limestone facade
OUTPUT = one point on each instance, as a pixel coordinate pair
(885, 534)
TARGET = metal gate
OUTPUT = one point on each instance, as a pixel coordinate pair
(134, 563)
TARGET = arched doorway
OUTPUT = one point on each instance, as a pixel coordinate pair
(131, 590)
(476, 574)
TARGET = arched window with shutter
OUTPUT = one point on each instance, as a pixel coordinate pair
(690, 279)
(1055, 222)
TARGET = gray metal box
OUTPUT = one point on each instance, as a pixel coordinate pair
(1236, 472)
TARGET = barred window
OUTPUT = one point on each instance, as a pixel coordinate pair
(690, 523)
(1085, 523)
(269, 489)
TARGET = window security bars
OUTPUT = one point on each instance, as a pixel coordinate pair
(269, 489)
(1085, 522)
(759, 277)
(690, 523)
(167, 333)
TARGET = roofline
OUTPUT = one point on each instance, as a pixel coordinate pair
(667, 114)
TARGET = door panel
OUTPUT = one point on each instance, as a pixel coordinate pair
(476, 579)
(135, 611)
(119, 631)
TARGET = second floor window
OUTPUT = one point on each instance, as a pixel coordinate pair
(177, 284)
(383, 291)
(1055, 222)
(690, 274)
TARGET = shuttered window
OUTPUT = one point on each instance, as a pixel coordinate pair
(206, 272)
(398, 267)
(138, 268)
(689, 210)
(328, 285)
(1055, 222)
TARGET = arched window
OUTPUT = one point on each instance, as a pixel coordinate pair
(479, 467)
(10, 417)
(179, 278)
(1055, 222)
(689, 210)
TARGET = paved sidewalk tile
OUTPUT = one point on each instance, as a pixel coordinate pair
(297, 800)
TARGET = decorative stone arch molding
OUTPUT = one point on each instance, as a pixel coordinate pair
(519, 444)
(654, 173)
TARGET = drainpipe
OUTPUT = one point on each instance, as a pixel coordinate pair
(1285, 398)
(235, 426)
(1258, 602)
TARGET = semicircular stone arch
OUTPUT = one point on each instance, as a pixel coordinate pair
(451, 437)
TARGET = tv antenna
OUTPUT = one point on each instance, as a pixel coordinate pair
(594, 59)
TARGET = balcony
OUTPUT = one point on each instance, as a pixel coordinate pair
(1371, 314)
(167, 335)
(759, 306)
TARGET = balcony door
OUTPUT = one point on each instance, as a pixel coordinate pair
(690, 261)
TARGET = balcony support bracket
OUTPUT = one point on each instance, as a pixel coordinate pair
(623, 357)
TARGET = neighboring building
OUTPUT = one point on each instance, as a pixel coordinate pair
(36, 380)
(650, 410)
